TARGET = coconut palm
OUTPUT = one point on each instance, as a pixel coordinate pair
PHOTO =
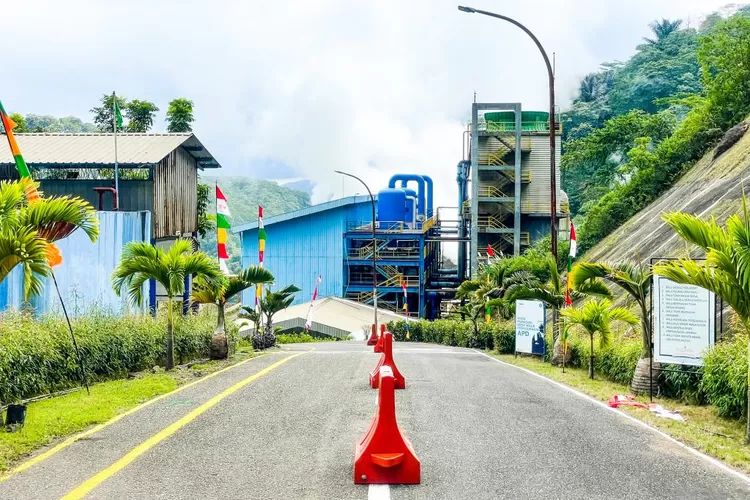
(206, 293)
(662, 29)
(726, 271)
(141, 262)
(595, 317)
(28, 230)
(270, 304)
(635, 280)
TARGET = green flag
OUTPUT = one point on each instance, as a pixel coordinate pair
(118, 115)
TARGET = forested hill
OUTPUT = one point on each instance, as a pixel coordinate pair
(244, 194)
(638, 126)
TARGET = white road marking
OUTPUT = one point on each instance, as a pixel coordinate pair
(695, 452)
(379, 492)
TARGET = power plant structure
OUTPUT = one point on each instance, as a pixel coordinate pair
(503, 186)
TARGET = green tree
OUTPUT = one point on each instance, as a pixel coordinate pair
(207, 293)
(140, 115)
(726, 271)
(270, 304)
(595, 317)
(724, 56)
(662, 29)
(180, 115)
(103, 116)
(20, 122)
(26, 229)
(141, 262)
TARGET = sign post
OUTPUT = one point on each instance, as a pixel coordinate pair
(531, 324)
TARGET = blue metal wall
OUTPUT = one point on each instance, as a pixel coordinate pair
(300, 249)
(84, 275)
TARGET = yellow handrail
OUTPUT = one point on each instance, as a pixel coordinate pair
(489, 191)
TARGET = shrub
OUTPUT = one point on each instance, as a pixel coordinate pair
(617, 361)
(294, 338)
(37, 355)
(725, 377)
(447, 332)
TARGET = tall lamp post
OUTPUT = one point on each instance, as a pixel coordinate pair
(553, 180)
(374, 250)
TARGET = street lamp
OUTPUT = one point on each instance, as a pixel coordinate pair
(553, 180)
(374, 249)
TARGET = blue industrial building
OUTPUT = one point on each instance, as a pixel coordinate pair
(335, 240)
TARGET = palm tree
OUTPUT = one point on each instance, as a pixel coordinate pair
(28, 230)
(635, 280)
(206, 293)
(662, 29)
(552, 293)
(270, 304)
(594, 317)
(726, 271)
(141, 262)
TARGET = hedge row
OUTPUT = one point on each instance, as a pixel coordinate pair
(37, 355)
(722, 381)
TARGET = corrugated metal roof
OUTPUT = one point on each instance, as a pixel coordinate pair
(65, 150)
(332, 316)
(302, 212)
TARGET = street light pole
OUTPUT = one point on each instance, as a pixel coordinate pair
(551, 74)
(374, 249)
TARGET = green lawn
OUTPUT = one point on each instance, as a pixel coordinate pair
(48, 420)
(703, 430)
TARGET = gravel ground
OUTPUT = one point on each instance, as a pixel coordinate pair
(480, 428)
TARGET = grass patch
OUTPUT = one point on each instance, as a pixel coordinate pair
(298, 338)
(48, 420)
(703, 429)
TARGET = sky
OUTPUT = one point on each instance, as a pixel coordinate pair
(298, 89)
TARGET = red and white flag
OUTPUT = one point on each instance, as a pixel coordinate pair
(490, 251)
(308, 319)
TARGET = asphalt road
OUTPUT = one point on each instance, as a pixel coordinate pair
(482, 430)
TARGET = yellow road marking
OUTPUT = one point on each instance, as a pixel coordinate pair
(58, 448)
(94, 481)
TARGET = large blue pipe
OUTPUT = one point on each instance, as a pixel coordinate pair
(428, 181)
(404, 178)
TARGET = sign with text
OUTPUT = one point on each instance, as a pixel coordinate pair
(684, 322)
(531, 322)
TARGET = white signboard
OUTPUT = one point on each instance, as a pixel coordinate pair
(684, 317)
(531, 322)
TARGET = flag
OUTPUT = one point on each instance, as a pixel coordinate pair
(117, 114)
(406, 310)
(222, 229)
(261, 251)
(308, 320)
(490, 251)
(487, 311)
(23, 170)
(571, 256)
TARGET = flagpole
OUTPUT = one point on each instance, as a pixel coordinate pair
(117, 170)
(216, 212)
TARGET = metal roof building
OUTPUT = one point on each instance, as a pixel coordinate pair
(304, 244)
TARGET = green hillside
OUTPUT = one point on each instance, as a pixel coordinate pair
(244, 194)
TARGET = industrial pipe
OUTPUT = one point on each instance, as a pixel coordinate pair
(428, 182)
(404, 178)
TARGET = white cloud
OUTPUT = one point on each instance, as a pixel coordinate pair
(373, 88)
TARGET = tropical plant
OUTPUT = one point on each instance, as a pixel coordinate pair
(726, 271)
(662, 29)
(595, 317)
(28, 229)
(205, 292)
(635, 280)
(252, 315)
(180, 115)
(270, 304)
(140, 115)
(103, 115)
(141, 262)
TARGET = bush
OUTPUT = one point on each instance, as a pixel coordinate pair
(37, 355)
(725, 377)
(295, 338)
(447, 332)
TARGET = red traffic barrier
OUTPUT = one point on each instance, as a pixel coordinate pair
(384, 455)
(386, 359)
(379, 345)
(373, 336)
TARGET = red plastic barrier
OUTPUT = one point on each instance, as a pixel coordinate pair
(373, 336)
(384, 455)
(386, 359)
(379, 345)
